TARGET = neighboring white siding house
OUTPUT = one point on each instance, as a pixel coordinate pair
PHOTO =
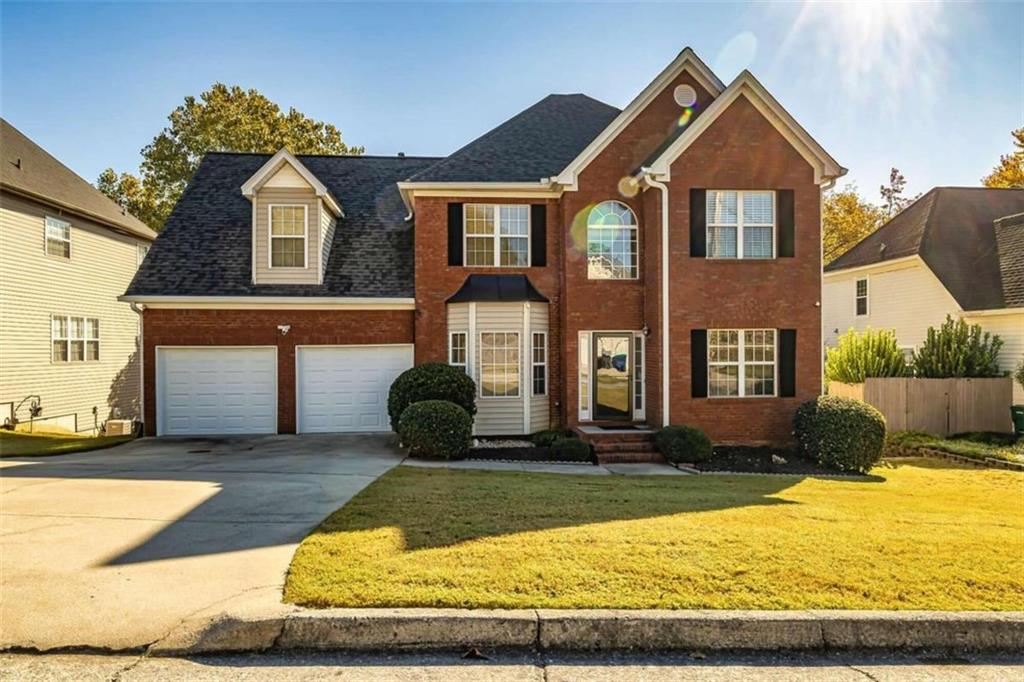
(64, 336)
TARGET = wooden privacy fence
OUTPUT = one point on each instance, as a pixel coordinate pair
(939, 406)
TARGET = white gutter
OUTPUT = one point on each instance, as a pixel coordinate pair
(311, 302)
(138, 309)
(665, 405)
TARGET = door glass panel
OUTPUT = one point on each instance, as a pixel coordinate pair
(612, 372)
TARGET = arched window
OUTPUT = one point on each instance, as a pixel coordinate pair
(611, 242)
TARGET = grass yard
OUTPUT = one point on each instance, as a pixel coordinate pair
(925, 534)
(26, 445)
(1006, 447)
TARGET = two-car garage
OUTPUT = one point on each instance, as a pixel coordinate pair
(219, 390)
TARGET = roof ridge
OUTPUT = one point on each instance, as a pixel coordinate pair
(327, 156)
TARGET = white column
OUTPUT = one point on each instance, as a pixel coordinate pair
(526, 367)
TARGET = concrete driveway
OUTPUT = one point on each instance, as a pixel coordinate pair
(114, 548)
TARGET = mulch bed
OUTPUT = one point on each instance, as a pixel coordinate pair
(521, 454)
(758, 460)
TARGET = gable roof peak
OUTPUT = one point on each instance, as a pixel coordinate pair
(274, 164)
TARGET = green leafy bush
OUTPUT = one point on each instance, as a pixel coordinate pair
(980, 446)
(840, 432)
(431, 381)
(570, 450)
(544, 439)
(683, 444)
(866, 354)
(435, 428)
(957, 349)
(1018, 374)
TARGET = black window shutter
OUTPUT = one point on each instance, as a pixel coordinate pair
(455, 234)
(538, 235)
(787, 223)
(699, 363)
(698, 223)
(787, 363)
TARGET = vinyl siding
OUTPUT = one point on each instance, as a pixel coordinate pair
(1010, 328)
(327, 224)
(262, 272)
(34, 286)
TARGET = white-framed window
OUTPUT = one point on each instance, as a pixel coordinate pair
(143, 251)
(861, 296)
(638, 374)
(540, 363)
(499, 364)
(457, 350)
(288, 233)
(741, 363)
(612, 242)
(497, 235)
(740, 224)
(58, 237)
(908, 354)
(74, 339)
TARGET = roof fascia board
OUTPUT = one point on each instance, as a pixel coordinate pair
(881, 266)
(542, 189)
(825, 167)
(273, 302)
(71, 208)
(993, 312)
(687, 61)
(275, 162)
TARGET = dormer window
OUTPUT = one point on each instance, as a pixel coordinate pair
(288, 232)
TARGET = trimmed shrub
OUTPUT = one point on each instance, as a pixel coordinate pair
(570, 450)
(1018, 374)
(431, 381)
(544, 439)
(957, 349)
(840, 432)
(866, 354)
(437, 429)
(683, 444)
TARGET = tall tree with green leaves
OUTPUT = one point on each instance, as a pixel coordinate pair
(224, 118)
(846, 219)
(1010, 171)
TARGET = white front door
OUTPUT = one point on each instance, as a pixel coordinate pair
(215, 391)
(345, 388)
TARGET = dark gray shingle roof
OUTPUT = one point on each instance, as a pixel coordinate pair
(28, 169)
(205, 247)
(1010, 245)
(952, 229)
(536, 143)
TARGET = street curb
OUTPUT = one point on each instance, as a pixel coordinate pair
(394, 630)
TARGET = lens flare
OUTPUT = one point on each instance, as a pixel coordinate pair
(685, 117)
(628, 186)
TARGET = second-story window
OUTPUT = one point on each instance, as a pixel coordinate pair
(287, 236)
(741, 224)
(611, 242)
(58, 237)
(497, 235)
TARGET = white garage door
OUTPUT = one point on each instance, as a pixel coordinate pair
(345, 388)
(212, 391)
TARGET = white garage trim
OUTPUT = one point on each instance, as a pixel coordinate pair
(160, 353)
(406, 363)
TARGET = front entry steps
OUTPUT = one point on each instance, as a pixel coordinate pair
(620, 446)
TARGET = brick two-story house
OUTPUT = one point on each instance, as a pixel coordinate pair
(659, 264)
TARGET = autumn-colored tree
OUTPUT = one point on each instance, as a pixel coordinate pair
(224, 118)
(846, 219)
(1010, 171)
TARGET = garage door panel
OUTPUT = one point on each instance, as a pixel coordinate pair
(210, 391)
(343, 388)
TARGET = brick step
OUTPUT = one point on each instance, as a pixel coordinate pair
(619, 446)
(628, 457)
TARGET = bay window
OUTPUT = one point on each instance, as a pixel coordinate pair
(499, 364)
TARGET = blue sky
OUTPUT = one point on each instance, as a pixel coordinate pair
(931, 88)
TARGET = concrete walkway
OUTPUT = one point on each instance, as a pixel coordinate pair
(114, 549)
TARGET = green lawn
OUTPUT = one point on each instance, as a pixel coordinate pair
(980, 446)
(925, 534)
(24, 444)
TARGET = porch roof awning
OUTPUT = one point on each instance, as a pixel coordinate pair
(497, 289)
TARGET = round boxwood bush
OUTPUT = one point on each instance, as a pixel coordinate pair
(436, 429)
(683, 444)
(570, 450)
(431, 381)
(840, 432)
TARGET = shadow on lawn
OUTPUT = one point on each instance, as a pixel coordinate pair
(437, 507)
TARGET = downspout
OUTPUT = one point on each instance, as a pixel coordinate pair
(138, 310)
(665, 416)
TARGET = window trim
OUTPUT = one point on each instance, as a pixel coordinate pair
(740, 226)
(69, 337)
(636, 230)
(496, 236)
(480, 363)
(866, 297)
(534, 364)
(464, 365)
(271, 237)
(46, 237)
(741, 363)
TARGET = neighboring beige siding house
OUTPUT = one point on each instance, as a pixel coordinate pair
(66, 253)
(955, 251)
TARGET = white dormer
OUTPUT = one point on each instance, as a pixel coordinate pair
(293, 221)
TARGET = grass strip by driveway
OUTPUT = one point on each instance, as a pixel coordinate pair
(926, 534)
(32, 445)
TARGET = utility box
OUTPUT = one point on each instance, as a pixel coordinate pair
(118, 427)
